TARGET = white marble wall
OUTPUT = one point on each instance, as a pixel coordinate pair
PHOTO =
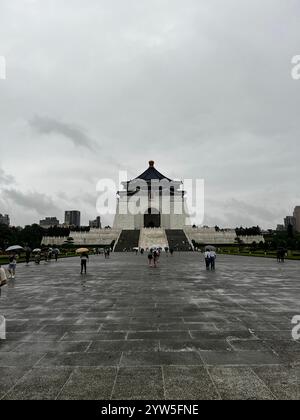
(210, 236)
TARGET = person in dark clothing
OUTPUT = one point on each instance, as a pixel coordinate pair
(27, 256)
(150, 259)
(84, 259)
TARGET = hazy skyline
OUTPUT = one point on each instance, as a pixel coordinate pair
(202, 88)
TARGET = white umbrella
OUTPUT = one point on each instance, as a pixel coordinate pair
(37, 250)
(210, 248)
(14, 248)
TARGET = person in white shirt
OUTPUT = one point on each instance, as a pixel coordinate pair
(207, 259)
(213, 257)
(3, 278)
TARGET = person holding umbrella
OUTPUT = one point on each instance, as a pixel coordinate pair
(210, 257)
(84, 257)
(12, 262)
(12, 265)
(37, 255)
(207, 259)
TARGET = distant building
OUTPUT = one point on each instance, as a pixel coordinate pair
(72, 218)
(4, 219)
(95, 224)
(290, 221)
(297, 218)
(49, 222)
(280, 228)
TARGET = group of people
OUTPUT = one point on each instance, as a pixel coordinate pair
(210, 259)
(153, 257)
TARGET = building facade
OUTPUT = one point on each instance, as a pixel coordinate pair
(95, 224)
(151, 200)
(72, 218)
(297, 218)
(4, 219)
(290, 221)
(49, 222)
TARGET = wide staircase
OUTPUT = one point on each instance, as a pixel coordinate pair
(128, 240)
(178, 240)
(153, 237)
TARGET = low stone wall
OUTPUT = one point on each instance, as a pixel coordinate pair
(212, 237)
(94, 237)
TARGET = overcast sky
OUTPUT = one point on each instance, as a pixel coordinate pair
(203, 87)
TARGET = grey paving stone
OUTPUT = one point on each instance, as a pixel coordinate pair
(80, 359)
(53, 346)
(19, 359)
(89, 384)
(192, 345)
(139, 383)
(221, 335)
(249, 345)
(122, 306)
(239, 384)
(159, 335)
(188, 383)
(284, 381)
(83, 336)
(6, 346)
(40, 384)
(126, 346)
(245, 358)
(161, 358)
(9, 376)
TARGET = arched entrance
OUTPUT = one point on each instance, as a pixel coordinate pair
(152, 218)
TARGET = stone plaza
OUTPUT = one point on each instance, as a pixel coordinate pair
(127, 331)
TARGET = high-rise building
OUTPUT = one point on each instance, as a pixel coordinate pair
(290, 221)
(297, 218)
(4, 219)
(49, 222)
(280, 228)
(72, 218)
(95, 224)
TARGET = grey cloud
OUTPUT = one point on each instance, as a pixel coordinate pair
(5, 179)
(243, 213)
(203, 88)
(76, 135)
(33, 201)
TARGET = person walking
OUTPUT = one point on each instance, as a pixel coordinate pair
(56, 254)
(150, 258)
(12, 265)
(84, 259)
(156, 256)
(37, 258)
(27, 256)
(213, 257)
(207, 259)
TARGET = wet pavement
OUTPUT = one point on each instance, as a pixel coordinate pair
(127, 331)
